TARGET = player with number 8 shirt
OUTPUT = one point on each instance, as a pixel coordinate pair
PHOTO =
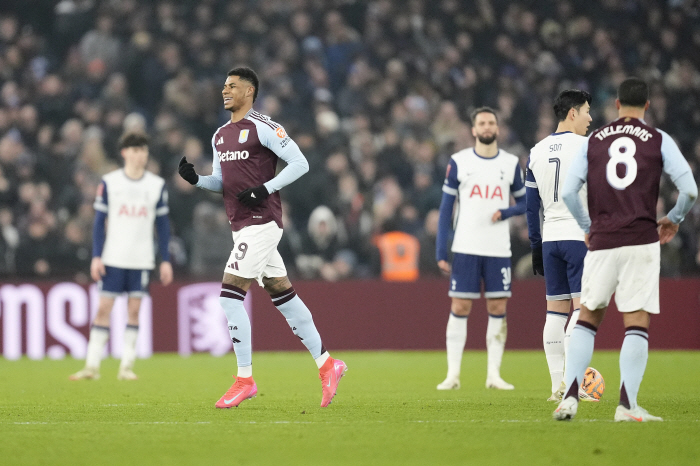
(622, 163)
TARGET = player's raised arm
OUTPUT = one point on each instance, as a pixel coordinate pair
(213, 182)
(575, 179)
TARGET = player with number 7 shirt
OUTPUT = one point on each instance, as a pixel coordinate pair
(622, 163)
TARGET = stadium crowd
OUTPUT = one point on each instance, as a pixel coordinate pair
(376, 93)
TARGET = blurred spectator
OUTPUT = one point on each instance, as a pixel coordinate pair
(376, 93)
(428, 241)
(399, 253)
(320, 245)
(212, 236)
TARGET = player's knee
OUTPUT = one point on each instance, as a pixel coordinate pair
(636, 319)
(461, 307)
(560, 306)
(274, 285)
(496, 307)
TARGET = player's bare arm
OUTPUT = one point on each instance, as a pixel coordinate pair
(166, 273)
(445, 267)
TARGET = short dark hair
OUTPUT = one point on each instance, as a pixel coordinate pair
(483, 110)
(246, 74)
(633, 92)
(133, 140)
(568, 99)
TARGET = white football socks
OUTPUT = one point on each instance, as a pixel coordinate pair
(321, 360)
(553, 341)
(245, 372)
(456, 338)
(129, 350)
(633, 363)
(96, 345)
(496, 332)
(570, 328)
(579, 356)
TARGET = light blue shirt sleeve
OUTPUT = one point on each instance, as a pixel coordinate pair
(677, 168)
(578, 173)
(215, 181)
(297, 165)
(278, 141)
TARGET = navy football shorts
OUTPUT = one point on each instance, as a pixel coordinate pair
(468, 271)
(563, 268)
(131, 281)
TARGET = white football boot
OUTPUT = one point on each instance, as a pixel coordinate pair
(637, 414)
(126, 374)
(558, 394)
(88, 373)
(498, 383)
(566, 409)
(450, 383)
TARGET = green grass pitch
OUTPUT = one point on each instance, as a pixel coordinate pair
(387, 411)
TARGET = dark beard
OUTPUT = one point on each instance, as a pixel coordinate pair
(488, 140)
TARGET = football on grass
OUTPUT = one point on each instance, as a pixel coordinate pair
(593, 384)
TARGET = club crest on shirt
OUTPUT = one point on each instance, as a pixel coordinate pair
(243, 137)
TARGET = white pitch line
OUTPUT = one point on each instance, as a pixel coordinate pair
(423, 421)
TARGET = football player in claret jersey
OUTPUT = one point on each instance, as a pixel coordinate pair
(482, 178)
(129, 201)
(622, 164)
(559, 251)
(246, 150)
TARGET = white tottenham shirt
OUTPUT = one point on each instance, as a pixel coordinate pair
(548, 165)
(131, 207)
(482, 186)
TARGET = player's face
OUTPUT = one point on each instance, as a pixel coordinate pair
(136, 157)
(582, 119)
(235, 93)
(485, 128)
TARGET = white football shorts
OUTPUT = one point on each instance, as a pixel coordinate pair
(254, 253)
(631, 272)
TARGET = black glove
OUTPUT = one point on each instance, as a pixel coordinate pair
(253, 196)
(186, 171)
(537, 262)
